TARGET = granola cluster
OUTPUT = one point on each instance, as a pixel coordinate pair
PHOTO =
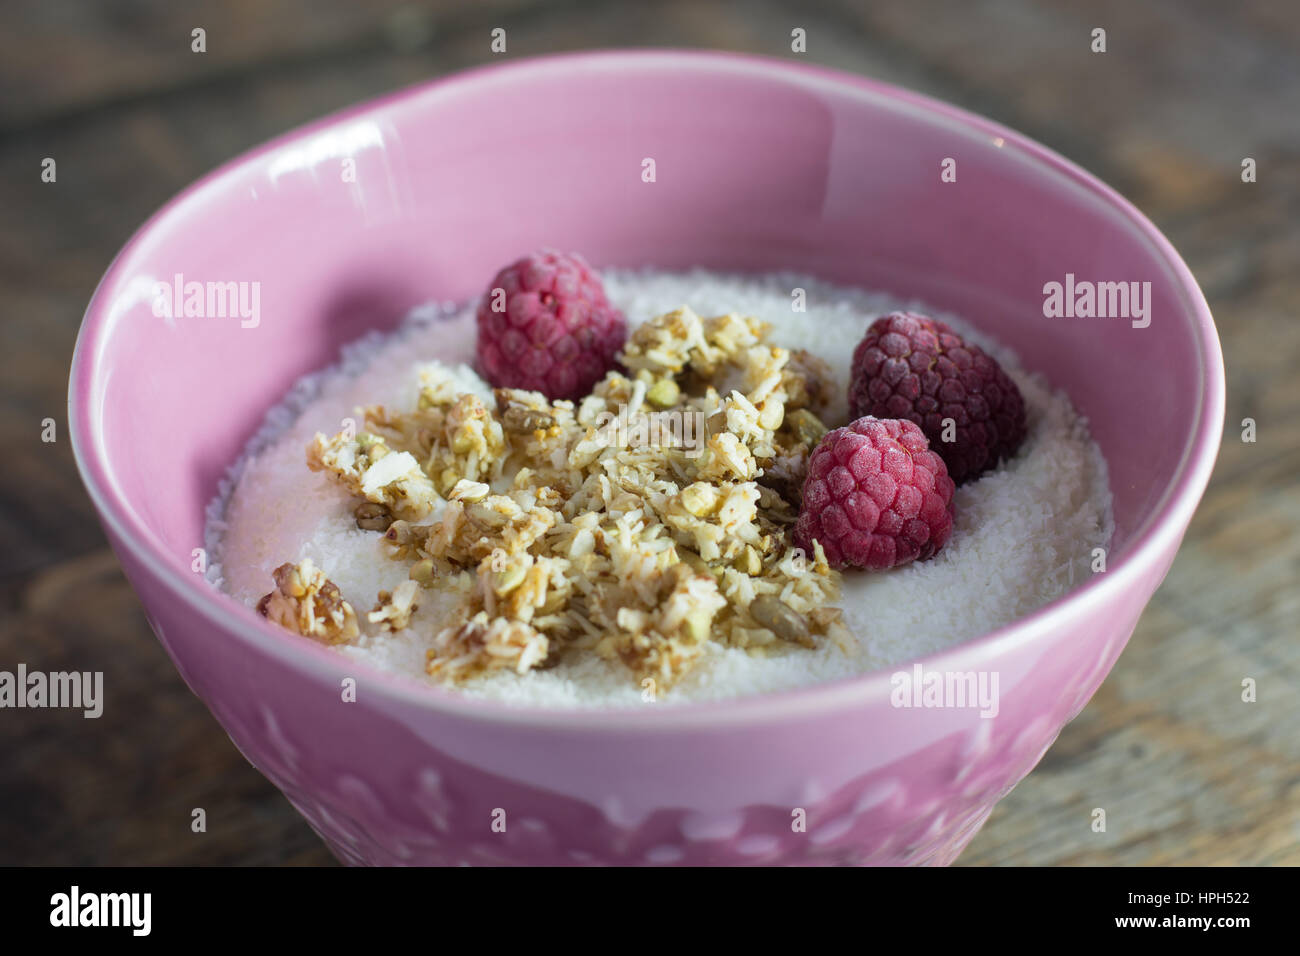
(637, 523)
(306, 602)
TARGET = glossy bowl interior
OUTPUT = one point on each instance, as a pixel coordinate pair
(759, 165)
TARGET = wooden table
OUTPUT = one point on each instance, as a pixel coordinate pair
(113, 92)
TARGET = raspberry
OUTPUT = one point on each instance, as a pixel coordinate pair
(876, 496)
(550, 328)
(914, 367)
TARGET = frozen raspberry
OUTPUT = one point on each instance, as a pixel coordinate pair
(875, 496)
(546, 326)
(914, 367)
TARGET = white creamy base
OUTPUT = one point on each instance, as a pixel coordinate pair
(1023, 532)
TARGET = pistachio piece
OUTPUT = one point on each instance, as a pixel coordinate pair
(664, 393)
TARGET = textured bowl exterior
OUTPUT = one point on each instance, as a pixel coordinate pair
(828, 775)
(380, 781)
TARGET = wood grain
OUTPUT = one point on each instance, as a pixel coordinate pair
(1187, 772)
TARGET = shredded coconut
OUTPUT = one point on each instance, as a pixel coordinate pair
(490, 572)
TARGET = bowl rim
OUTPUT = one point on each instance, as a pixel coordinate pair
(1159, 534)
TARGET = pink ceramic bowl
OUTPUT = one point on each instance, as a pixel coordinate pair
(760, 165)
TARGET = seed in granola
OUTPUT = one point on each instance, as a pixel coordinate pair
(422, 572)
(520, 420)
(777, 616)
(824, 620)
(372, 516)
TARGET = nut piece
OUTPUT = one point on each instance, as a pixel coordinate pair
(422, 572)
(699, 498)
(393, 611)
(369, 469)
(520, 420)
(484, 644)
(503, 582)
(469, 491)
(372, 516)
(306, 602)
(698, 623)
(777, 616)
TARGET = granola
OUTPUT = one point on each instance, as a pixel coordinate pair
(306, 602)
(393, 610)
(637, 524)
